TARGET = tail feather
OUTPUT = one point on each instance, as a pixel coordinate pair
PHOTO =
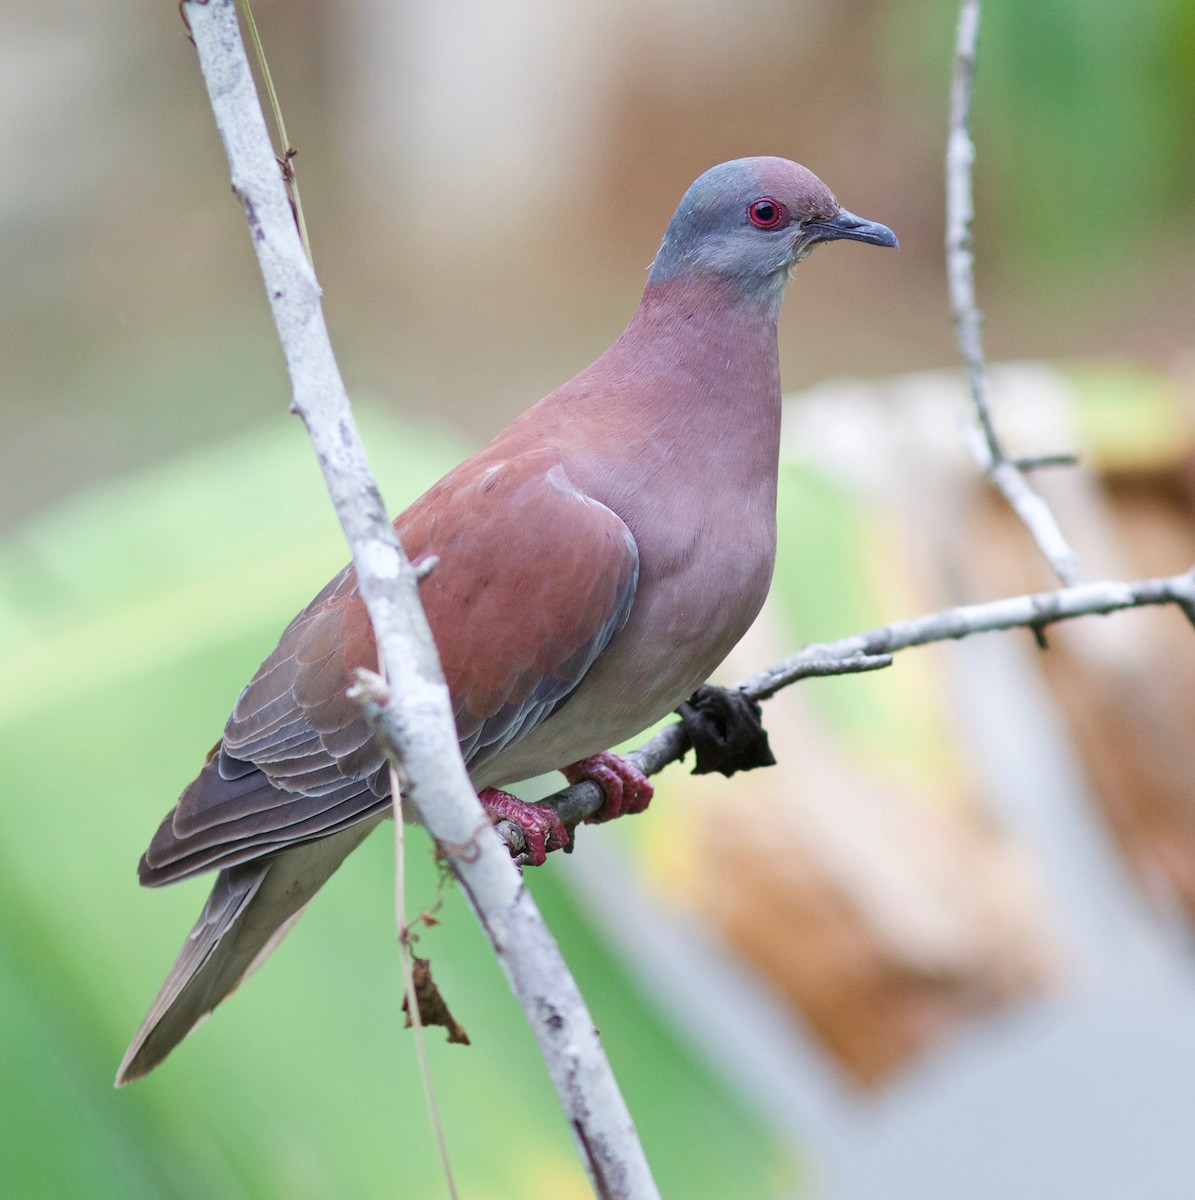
(251, 908)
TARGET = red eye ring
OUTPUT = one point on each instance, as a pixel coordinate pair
(766, 213)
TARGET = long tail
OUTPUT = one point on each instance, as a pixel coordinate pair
(251, 909)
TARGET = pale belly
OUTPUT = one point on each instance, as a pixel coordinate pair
(654, 664)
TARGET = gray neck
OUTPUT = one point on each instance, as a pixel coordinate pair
(759, 278)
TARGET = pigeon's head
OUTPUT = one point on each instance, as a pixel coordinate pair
(752, 220)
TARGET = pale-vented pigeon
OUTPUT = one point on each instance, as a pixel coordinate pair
(597, 560)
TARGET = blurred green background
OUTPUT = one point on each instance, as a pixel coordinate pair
(313, 1092)
(485, 186)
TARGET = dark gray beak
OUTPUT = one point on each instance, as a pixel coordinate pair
(847, 226)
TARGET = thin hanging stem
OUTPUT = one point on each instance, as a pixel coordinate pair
(286, 160)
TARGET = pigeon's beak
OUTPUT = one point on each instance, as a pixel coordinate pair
(851, 228)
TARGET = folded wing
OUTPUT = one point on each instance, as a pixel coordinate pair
(534, 580)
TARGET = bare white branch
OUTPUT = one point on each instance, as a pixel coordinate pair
(867, 651)
(412, 714)
(1028, 504)
(1034, 611)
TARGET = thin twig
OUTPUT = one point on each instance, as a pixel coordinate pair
(1037, 462)
(867, 651)
(411, 711)
(1033, 511)
(960, 212)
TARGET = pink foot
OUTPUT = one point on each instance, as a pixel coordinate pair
(542, 829)
(627, 788)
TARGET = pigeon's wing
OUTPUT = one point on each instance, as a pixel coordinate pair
(533, 581)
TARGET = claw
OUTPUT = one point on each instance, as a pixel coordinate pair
(542, 828)
(626, 788)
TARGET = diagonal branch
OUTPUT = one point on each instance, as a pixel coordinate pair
(412, 714)
(866, 651)
(1005, 473)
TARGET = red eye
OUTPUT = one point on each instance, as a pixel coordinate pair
(766, 213)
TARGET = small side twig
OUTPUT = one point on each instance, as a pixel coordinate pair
(1004, 472)
(1037, 462)
(875, 648)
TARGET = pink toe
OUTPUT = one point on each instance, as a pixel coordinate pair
(543, 830)
(626, 788)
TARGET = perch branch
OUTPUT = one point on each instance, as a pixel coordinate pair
(1005, 473)
(411, 710)
(867, 651)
